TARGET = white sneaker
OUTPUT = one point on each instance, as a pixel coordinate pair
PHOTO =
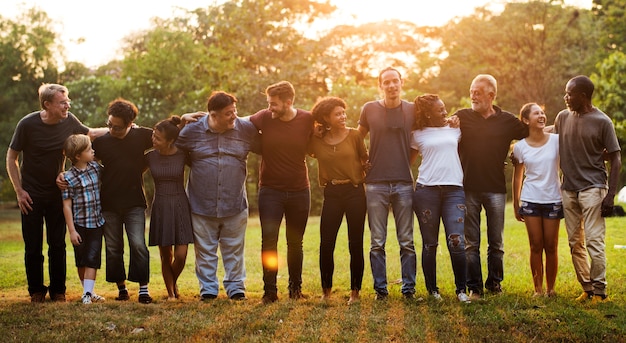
(463, 298)
(436, 295)
(86, 298)
(96, 298)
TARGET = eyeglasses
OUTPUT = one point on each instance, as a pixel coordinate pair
(114, 127)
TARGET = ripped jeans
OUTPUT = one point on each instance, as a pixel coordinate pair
(431, 205)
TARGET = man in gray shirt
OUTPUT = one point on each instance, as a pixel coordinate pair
(586, 138)
(218, 146)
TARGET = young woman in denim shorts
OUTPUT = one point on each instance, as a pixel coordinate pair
(538, 202)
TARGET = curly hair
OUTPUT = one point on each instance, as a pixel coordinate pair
(123, 109)
(324, 107)
(424, 107)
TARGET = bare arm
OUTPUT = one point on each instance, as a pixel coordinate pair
(363, 130)
(97, 132)
(615, 159)
(69, 220)
(24, 201)
(518, 177)
(414, 154)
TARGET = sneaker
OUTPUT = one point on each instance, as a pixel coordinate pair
(584, 296)
(269, 298)
(297, 294)
(381, 296)
(474, 296)
(599, 298)
(495, 289)
(463, 298)
(123, 295)
(38, 297)
(238, 297)
(436, 295)
(86, 299)
(96, 298)
(207, 297)
(145, 298)
(58, 297)
(408, 296)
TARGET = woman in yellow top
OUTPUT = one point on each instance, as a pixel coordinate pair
(341, 156)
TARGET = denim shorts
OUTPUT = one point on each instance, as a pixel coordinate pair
(548, 211)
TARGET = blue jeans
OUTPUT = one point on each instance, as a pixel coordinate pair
(493, 203)
(229, 235)
(294, 206)
(432, 203)
(134, 221)
(339, 200)
(398, 196)
(32, 231)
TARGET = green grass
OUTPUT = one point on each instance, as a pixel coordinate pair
(514, 316)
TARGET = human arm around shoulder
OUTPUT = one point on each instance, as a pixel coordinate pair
(69, 220)
(24, 200)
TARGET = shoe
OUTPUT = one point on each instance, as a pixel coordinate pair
(495, 289)
(599, 298)
(238, 297)
(474, 296)
(123, 295)
(269, 298)
(463, 298)
(207, 297)
(584, 296)
(145, 298)
(381, 296)
(297, 294)
(408, 296)
(95, 298)
(38, 297)
(86, 299)
(436, 295)
(58, 297)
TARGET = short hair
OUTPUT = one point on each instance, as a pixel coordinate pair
(283, 89)
(324, 107)
(524, 112)
(219, 100)
(47, 91)
(124, 109)
(169, 127)
(380, 75)
(583, 84)
(489, 79)
(74, 145)
(424, 105)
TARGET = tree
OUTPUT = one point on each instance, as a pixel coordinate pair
(610, 14)
(531, 48)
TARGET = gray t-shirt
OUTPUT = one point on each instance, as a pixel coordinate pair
(390, 132)
(582, 141)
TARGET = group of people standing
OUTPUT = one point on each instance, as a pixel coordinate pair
(460, 173)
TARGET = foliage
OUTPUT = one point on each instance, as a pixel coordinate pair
(532, 48)
(610, 15)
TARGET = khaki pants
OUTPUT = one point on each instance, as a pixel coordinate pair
(585, 231)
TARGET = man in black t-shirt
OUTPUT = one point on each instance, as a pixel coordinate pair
(121, 152)
(39, 138)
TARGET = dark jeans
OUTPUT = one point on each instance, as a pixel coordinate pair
(433, 204)
(339, 200)
(32, 231)
(134, 221)
(494, 204)
(294, 206)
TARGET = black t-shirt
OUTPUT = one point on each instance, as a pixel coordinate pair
(124, 164)
(41, 145)
(484, 147)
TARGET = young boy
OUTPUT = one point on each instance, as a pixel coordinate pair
(83, 211)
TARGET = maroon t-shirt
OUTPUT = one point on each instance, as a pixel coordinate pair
(283, 150)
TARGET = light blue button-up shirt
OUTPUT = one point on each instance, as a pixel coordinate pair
(217, 181)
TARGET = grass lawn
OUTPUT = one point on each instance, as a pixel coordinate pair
(514, 316)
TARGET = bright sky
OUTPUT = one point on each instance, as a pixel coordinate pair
(92, 30)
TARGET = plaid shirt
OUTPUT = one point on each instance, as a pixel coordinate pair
(84, 190)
